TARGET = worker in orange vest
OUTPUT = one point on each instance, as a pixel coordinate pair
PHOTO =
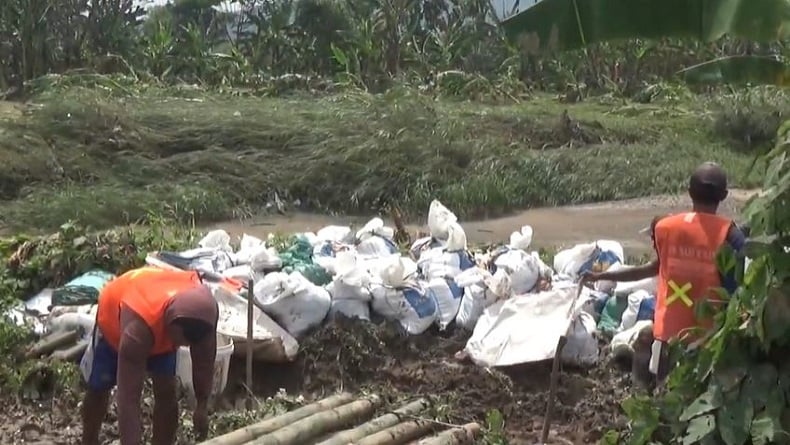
(686, 245)
(143, 317)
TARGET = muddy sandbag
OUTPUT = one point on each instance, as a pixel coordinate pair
(82, 290)
(350, 309)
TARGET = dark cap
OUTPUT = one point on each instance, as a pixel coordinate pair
(709, 175)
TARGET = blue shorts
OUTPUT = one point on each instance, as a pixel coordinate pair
(101, 370)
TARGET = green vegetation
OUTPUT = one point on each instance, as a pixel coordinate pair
(114, 153)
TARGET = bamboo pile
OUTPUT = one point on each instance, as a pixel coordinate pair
(65, 346)
(343, 419)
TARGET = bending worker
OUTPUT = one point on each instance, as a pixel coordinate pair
(143, 317)
(686, 245)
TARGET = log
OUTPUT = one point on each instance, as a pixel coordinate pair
(377, 424)
(72, 353)
(252, 432)
(300, 432)
(51, 342)
(455, 436)
(399, 434)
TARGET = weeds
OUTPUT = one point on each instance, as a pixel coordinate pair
(106, 157)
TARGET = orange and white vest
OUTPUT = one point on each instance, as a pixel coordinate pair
(687, 246)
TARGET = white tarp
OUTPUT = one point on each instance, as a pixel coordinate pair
(524, 328)
(271, 343)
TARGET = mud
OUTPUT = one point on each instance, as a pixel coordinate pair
(356, 356)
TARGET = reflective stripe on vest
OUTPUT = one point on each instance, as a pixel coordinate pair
(679, 293)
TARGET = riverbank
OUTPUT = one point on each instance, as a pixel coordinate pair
(112, 157)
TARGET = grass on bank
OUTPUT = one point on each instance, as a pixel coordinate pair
(107, 156)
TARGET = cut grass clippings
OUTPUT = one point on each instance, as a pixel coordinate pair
(106, 159)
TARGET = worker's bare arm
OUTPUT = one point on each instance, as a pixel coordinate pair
(136, 343)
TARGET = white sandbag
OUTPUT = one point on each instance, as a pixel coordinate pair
(522, 329)
(598, 256)
(569, 261)
(241, 273)
(441, 263)
(296, 303)
(439, 219)
(350, 309)
(395, 271)
(271, 343)
(582, 346)
(352, 280)
(471, 276)
(376, 247)
(625, 288)
(216, 239)
(608, 286)
(247, 246)
(448, 299)
(335, 234)
(414, 310)
(423, 244)
(522, 239)
(622, 344)
(475, 300)
(523, 269)
(632, 310)
(375, 227)
(456, 237)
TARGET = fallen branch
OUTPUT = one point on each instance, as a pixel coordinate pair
(71, 354)
(456, 436)
(401, 433)
(377, 424)
(252, 432)
(52, 342)
(300, 432)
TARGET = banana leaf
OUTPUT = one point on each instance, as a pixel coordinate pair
(559, 25)
(739, 70)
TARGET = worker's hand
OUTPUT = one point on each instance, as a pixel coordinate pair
(590, 277)
(200, 421)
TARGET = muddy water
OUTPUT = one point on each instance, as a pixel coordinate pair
(553, 227)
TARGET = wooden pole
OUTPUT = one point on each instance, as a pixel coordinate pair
(555, 370)
(250, 306)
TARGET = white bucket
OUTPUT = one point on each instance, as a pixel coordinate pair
(221, 366)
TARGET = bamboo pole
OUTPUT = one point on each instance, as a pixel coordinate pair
(252, 432)
(52, 342)
(250, 321)
(399, 434)
(377, 424)
(72, 353)
(455, 436)
(300, 432)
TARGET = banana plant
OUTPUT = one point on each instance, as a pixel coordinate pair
(559, 25)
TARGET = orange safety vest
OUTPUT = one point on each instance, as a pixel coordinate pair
(146, 291)
(687, 246)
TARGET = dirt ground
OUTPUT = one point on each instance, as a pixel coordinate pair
(355, 356)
